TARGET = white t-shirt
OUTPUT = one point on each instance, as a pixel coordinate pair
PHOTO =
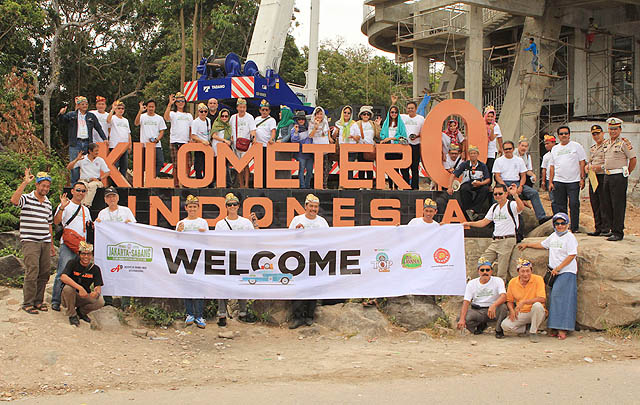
(509, 169)
(565, 160)
(77, 224)
(526, 159)
(503, 224)
(446, 141)
(215, 142)
(102, 120)
(200, 128)
(91, 170)
(367, 130)
(413, 126)
(307, 223)
(263, 132)
(239, 224)
(341, 134)
(484, 295)
(83, 131)
(180, 124)
(245, 125)
(321, 136)
(452, 164)
(119, 131)
(150, 127)
(193, 225)
(420, 222)
(559, 248)
(546, 160)
(121, 214)
(492, 149)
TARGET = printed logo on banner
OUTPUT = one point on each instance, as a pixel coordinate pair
(129, 251)
(441, 256)
(267, 275)
(117, 268)
(382, 262)
(411, 260)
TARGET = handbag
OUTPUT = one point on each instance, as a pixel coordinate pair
(242, 144)
(549, 278)
(59, 229)
(72, 238)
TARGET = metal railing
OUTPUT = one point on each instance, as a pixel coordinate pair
(451, 19)
(368, 12)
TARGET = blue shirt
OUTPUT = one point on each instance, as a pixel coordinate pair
(533, 48)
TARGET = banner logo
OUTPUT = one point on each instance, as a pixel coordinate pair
(129, 251)
(411, 260)
(382, 263)
(441, 256)
(117, 268)
(268, 276)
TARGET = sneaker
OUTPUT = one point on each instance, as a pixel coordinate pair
(189, 321)
(222, 322)
(499, 335)
(55, 306)
(247, 318)
(308, 321)
(534, 338)
(83, 317)
(296, 323)
(200, 323)
(73, 320)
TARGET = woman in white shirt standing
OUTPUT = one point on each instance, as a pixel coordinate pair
(319, 131)
(180, 131)
(243, 126)
(563, 300)
(369, 133)
(119, 132)
(494, 134)
(193, 223)
(200, 128)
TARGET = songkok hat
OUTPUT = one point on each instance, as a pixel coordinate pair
(41, 176)
(85, 247)
(100, 98)
(614, 122)
(118, 103)
(311, 199)
(365, 109)
(489, 109)
(474, 148)
(241, 101)
(191, 199)
(110, 191)
(179, 95)
(482, 261)
(524, 263)
(230, 197)
(454, 147)
(202, 106)
(551, 138)
(523, 139)
(596, 129)
(429, 203)
(81, 99)
(264, 103)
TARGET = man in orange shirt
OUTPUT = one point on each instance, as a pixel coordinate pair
(527, 292)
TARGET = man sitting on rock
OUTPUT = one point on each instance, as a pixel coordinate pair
(77, 279)
(486, 295)
(527, 292)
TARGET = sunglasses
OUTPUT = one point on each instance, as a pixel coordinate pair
(119, 108)
(203, 111)
(84, 254)
(366, 113)
(224, 116)
(484, 270)
(563, 133)
(180, 101)
(393, 112)
(233, 204)
(498, 194)
(560, 223)
(507, 149)
(80, 191)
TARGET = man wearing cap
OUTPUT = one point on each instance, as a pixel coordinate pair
(243, 125)
(302, 311)
(474, 189)
(413, 123)
(566, 176)
(429, 210)
(36, 239)
(486, 296)
(595, 164)
(549, 143)
(93, 170)
(526, 296)
(619, 162)
(265, 133)
(77, 278)
(80, 126)
(101, 113)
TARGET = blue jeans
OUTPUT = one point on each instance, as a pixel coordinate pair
(123, 163)
(65, 255)
(159, 160)
(534, 63)
(570, 192)
(305, 163)
(194, 307)
(81, 146)
(532, 195)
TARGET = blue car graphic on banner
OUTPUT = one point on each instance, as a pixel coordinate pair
(268, 276)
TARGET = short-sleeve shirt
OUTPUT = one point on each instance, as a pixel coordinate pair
(263, 131)
(102, 120)
(85, 276)
(413, 125)
(484, 295)
(446, 141)
(503, 224)
(193, 225)
(565, 160)
(420, 222)
(596, 157)
(150, 127)
(180, 124)
(509, 169)
(91, 169)
(546, 160)
(238, 224)
(317, 222)
(534, 289)
(559, 248)
(321, 136)
(121, 214)
(78, 223)
(452, 164)
(367, 130)
(492, 149)
(119, 131)
(35, 218)
(526, 159)
(470, 173)
(200, 128)
(617, 153)
(241, 127)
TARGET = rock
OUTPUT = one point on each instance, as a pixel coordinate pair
(413, 311)
(226, 334)
(529, 219)
(10, 239)
(4, 292)
(352, 319)
(546, 229)
(473, 343)
(474, 248)
(272, 311)
(152, 334)
(139, 332)
(10, 268)
(106, 318)
(418, 335)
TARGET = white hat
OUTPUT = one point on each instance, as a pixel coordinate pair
(364, 109)
(614, 122)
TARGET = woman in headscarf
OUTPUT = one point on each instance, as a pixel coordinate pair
(300, 134)
(563, 300)
(369, 132)
(221, 133)
(453, 136)
(394, 131)
(342, 132)
(494, 135)
(319, 131)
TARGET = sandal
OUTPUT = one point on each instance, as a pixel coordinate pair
(562, 336)
(553, 334)
(30, 310)
(42, 307)
(369, 303)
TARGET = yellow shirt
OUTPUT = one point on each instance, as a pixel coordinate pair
(534, 289)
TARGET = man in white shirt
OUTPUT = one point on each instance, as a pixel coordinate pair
(119, 132)
(453, 159)
(486, 296)
(200, 129)
(566, 175)
(265, 133)
(101, 113)
(413, 124)
(243, 125)
(74, 216)
(93, 170)
(504, 215)
(549, 143)
(152, 127)
(302, 311)
(429, 210)
(510, 169)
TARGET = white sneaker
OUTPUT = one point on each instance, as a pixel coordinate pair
(200, 323)
(189, 321)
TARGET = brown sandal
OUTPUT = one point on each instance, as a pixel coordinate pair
(42, 307)
(30, 310)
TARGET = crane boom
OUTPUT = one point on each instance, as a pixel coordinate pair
(270, 33)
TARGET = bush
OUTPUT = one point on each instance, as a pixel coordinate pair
(13, 165)
(154, 315)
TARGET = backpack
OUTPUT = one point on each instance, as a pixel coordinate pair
(518, 225)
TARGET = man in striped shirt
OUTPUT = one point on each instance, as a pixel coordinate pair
(36, 217)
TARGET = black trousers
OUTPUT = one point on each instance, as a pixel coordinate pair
(570, 192)
(395, 156)
(414, 179)
(490, 162)
(366, 174)
(614, 203)
(596, 198)
(473, 197)
(198, 164)
(303, 308)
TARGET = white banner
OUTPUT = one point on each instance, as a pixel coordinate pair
(347, 262)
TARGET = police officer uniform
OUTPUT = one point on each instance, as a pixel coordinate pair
(619, 158)
(596, 163)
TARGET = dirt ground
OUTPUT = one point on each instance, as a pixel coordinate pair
(45, 360)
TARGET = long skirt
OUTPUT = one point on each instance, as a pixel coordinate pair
(563, 302)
